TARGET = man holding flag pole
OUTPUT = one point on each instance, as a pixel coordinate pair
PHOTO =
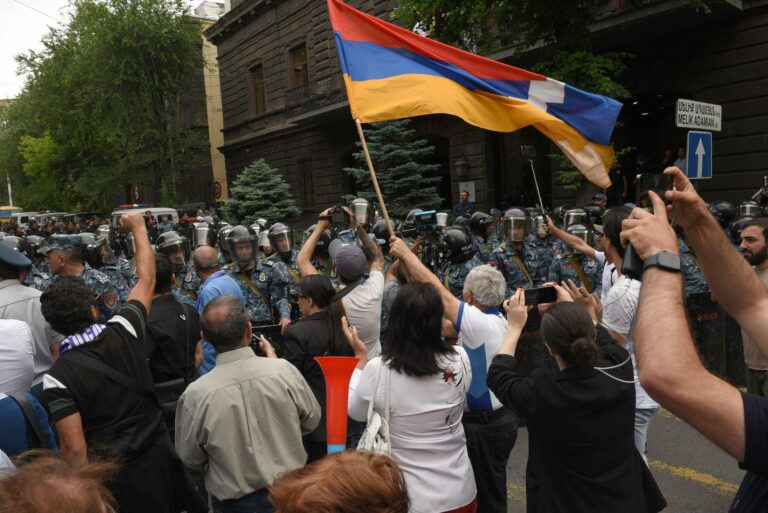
(391, 73)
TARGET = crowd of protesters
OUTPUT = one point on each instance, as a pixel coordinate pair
(182, 375)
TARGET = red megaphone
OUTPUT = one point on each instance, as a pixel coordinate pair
(337, 371)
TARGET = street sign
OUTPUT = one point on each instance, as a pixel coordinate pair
(704, 116)
(698, 155)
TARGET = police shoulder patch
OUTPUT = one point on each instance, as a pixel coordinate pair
(110, 300)
(188, 277)
(262, 276)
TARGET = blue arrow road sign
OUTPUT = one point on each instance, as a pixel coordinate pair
(699, 155)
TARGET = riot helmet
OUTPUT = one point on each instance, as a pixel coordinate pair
(35, 243)
(130, 245)
(281, 239)
(479, 223)
(463, 223)
(457, 245)
(221, 240)
(724, 212)
(516, 225)
(576, 216)
(558, 215)
(18, 244)
(363, 211)
(203, 234)
(581, 231)
(736, 226)
(321, 247)
(408, 229)
(104, 231)
(242, 243)
(176, 247)
(595, 213)
(539, 226)
(749, 209)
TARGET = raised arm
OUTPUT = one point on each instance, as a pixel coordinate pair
(368, 243)
(722, 264)
(144, 259)
(418, 272)
(571, 241)
(304, 258)
(670, 369)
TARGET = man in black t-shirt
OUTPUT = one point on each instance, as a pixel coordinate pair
(100, 389)
(669, 367)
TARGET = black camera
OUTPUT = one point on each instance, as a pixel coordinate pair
(339, 218)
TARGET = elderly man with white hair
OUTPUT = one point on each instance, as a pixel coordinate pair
(491, 428)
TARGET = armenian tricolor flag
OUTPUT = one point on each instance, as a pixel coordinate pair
(392, 73)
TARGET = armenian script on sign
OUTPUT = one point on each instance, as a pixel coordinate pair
(692, 114)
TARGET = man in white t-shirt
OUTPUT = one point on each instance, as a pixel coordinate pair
(491, 428)
(619, 309)
(363, 302)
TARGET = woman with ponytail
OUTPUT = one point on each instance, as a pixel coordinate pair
(317, 333)
(581, 451)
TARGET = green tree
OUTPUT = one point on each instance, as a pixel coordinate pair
(406, 181)
(259, 191)
(105, 91)
(558, 30)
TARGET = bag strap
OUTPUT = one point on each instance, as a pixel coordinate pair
(579, 273)
(386, 397)
(33, 421)
(346, 290)
(113, 374)
(519, 263)
(258, 291)
(184, 291)
(293, 273)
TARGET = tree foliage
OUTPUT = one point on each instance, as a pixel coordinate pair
(259, 191)
(406, 181)
(558, 30)
(99, 111)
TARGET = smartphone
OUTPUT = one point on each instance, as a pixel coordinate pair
(540, 295)
(646, 182)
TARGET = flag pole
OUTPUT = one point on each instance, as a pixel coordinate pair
(373, 177)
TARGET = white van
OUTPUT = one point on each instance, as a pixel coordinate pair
(156, 212)
(23, 218)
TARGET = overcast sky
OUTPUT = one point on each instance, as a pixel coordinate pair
(22, 24)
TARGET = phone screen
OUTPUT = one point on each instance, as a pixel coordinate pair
(540, 295)
(650, 182)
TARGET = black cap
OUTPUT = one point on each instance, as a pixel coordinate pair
(12, 258)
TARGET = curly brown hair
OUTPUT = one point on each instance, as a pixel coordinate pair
(346, 482)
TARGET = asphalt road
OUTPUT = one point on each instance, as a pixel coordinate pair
(692, 473)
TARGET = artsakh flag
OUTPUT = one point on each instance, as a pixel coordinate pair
(392, 73)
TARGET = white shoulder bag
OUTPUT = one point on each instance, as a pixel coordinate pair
(375, 438)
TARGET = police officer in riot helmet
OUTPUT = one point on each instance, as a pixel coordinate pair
(460, 257)
(577, 266)
(265, 246)
(99, 255)
(724, 212)
(408, 229)
(39, 271)
(595, 213)
(263, 282)
(576, 216)
(517, 257)
(186, 283)
(749, 209)
(546, 245)
(221, 242)
(203, 234)
(481, 225)
(281, 239)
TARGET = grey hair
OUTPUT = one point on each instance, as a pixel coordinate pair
(487, 284)
(227, 334)
(201, 262)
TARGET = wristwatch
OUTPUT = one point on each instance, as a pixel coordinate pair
(663, 260)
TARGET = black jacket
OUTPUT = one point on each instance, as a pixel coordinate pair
(305, 340)
(581, 454)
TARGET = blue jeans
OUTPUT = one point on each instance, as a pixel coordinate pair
(642, 421)
(256, 502)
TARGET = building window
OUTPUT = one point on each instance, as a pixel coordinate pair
(306, 184)
(259, 95)
(299, 70)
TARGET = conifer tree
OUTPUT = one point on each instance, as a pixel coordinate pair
(406, 181)
(259, 191)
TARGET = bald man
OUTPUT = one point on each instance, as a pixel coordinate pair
(215, 283)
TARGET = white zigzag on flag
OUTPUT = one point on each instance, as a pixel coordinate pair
(542, 92)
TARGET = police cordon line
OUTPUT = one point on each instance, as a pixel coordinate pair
(530, 247)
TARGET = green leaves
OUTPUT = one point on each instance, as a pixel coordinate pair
(259, 191)
(105, 91)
